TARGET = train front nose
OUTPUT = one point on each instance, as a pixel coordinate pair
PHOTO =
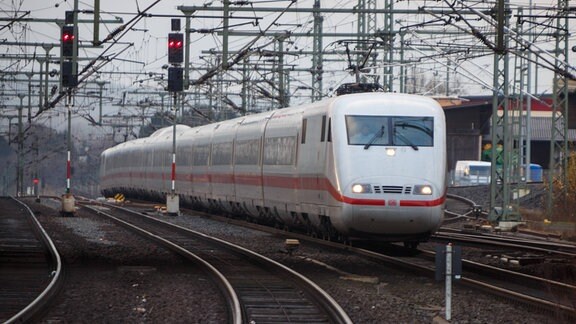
(397, 211)
(396, 219)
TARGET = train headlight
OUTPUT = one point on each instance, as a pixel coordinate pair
(390, 151)
(422, 190)
(361, 188)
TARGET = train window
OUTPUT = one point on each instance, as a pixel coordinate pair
(280, 150)
(304, 124)
(329, 138)
(183, 155)
(413, 131)
(390, 130)
(322, 137)
(363, 130)
(200, 155)
(247, 152)
(222, 153)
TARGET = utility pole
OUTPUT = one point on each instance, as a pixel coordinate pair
(47, 48)
(501, 208)
(317, 58)
(388, 35)
(101, 84)
(521, 113)
(29, 75)
(20, 171)
(361, 39)
(558, 167)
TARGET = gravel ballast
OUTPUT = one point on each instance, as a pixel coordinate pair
(131, 280)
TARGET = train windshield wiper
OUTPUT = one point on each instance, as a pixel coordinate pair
(424, 129)
(376, 136)
(407, 141)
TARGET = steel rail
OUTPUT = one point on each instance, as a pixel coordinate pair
(548, 247)
(327, 303)
(38, 304)
(234, 308)
(544, 305)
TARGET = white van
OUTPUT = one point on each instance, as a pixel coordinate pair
(469, 173)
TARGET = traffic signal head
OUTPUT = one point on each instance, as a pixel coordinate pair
(175, 79)
(68, 74)
(175, 48)
(67, 40)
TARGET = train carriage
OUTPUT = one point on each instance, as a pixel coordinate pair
(392, 179)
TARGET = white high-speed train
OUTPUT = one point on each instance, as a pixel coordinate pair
(367, 166)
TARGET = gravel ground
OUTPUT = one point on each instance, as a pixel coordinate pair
(371, 292)
(114, 276)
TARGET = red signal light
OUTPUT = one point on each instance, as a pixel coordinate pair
(174, 43)
(67, 41)
(175, 48)
(67, 37)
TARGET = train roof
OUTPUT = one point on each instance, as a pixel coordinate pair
(165, 133)
(168, 130)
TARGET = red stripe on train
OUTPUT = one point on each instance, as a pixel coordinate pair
(287, 182)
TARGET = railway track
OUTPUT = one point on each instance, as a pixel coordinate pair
(549, 296)
(518, 243)
(460, 208)
(31, 272)
(526, 241)
(257, 289)
(552, 297)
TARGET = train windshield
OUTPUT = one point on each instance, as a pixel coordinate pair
(390, 131)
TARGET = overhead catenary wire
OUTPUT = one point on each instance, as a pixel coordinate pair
(91, 66)
(241, 53)
(541, 53)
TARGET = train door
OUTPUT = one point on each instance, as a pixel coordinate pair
(325, 135)
(200, 175)
(312, 193)
(221, 166)
(248, 164)
(280, 154)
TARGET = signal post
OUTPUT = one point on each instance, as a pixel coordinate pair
(69, 80)
(175, 86)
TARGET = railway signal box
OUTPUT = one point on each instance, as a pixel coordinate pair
(67, 42)
(175, 48)
(175, 78)
(69, 74)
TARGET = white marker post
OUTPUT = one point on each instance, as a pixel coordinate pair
(172, 199)
(449, 282)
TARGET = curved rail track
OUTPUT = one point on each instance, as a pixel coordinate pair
(31, 272)
(465, 209)
(552, 297)
(549, 296)
(258, 289)
(459, 208)
(518, 243)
